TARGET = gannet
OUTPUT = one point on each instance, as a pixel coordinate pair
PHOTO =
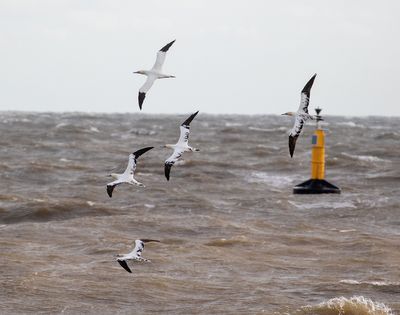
(127, 176)
(154, 73)
(136, 254)
(302, 115)
(181, 146)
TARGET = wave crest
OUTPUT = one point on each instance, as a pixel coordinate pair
(356, 305)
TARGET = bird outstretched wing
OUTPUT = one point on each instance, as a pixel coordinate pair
(184, 135)
(171, 161)
(138, 153)
(185, 129)
(161, 57)
(292, 144)
(130, 169)
(305, 95)
(145, 88)
(111, 186)
(137, 251)
(295, 132)
(187, 122)
(124, 265)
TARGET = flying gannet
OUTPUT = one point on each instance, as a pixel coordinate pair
(154, 73)
(301, 115)
(181, 146)
(136, 254)
(127, 176)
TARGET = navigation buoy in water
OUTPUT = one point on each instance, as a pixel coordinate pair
(317, 184)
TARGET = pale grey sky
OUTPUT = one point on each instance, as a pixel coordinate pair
(229, 56)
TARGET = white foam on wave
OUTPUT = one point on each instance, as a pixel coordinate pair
(349, 281)
(233, 124)
(271, 179)
(60, 125)
(269, 147)
(268, 129)
(344, 231)
(39, 200)
(142, 132)
(16, 120)
(351, 124)
(381, 127)
(381, 283)
(93, 129)
(309, 204)
(359, 305)
(365, 158)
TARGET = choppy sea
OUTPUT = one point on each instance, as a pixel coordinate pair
(234, 239)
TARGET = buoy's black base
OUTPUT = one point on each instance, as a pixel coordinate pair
(316, 186)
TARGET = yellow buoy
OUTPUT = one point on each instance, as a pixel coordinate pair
(317, 184)
(318, 155)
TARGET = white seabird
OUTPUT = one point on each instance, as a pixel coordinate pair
(127, 176)
(154, 73)
(136, 254)
(181, 146)
(302, 115)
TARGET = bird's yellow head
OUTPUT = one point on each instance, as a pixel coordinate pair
(289, 114)
(141, 72)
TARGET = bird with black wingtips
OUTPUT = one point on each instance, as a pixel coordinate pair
(127, 176)
(181, 146)
(154, 73)
(135, 255)
(301, 116)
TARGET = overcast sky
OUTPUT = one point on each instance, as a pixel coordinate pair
(229, 56)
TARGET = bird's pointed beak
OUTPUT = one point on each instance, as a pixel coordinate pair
(138, 72)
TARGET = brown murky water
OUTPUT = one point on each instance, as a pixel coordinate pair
(235, 240)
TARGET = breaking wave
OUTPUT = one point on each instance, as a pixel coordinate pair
(373, 283)
(365, 158)
(356, 305)
(350, 124)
